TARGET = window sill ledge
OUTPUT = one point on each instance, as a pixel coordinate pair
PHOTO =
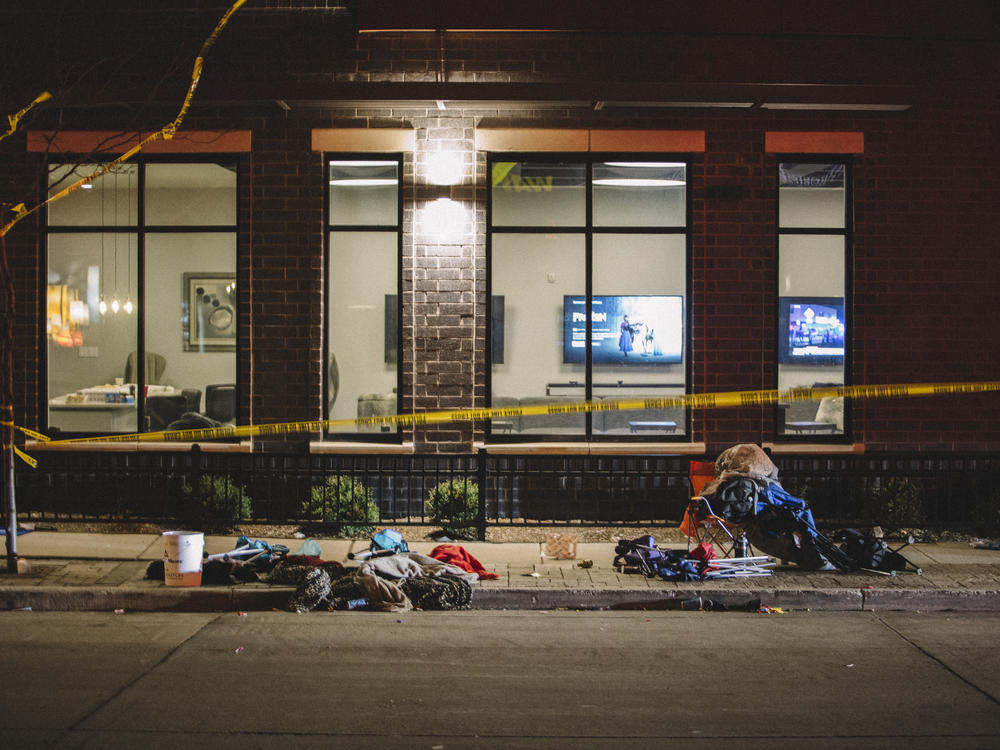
(596, 449)
(814, 448)
(347, 446)
(34, 446)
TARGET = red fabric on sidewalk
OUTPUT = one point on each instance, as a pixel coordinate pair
(458, 556)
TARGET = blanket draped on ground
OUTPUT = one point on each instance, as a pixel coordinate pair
(454, 554)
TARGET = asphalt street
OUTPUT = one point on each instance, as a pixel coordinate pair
(495, 679)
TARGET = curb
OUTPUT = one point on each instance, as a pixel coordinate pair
(225, 599)
(539, 598)
(166, 599)
(968, 600)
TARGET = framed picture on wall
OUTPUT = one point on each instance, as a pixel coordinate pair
(209, 312)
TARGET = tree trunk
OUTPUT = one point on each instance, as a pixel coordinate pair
(7, 406)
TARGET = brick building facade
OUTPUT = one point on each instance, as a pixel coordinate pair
(916, 82)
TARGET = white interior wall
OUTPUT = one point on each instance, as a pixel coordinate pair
(533, 273)
(812, 207)
(363, 269)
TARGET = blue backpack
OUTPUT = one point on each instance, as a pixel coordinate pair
(388, 541)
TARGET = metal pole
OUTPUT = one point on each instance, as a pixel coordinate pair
(8, 457)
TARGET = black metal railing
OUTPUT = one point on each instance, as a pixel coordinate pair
(479, 490)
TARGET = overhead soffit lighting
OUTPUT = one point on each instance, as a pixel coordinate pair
(363, 173)
(362, 182)
(639, 182)
(718, 105)
(630, 174)
(646, 164)
(835, 107)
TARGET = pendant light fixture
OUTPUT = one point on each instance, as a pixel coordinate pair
(102, 305)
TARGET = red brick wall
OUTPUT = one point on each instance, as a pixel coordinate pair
(925, 269)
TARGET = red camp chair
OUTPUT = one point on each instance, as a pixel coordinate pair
(700, 522)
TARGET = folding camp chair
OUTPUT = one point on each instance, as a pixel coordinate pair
(700, 522)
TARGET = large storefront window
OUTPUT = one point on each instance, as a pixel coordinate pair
(813, 246)
(363, 319)
(141, 316)
(589, 294)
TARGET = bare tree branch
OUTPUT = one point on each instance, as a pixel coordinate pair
(166, 132)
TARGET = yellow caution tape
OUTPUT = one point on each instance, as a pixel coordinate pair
(32, 462)
(694, 401)
(30, 433)
(15, 119)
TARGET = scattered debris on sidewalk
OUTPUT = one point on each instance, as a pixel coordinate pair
(644, 556)
(560, 546)
(985, 543)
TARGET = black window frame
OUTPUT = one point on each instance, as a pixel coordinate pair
(140, 229)
(847, 232)
(588, 230)
(391, 436)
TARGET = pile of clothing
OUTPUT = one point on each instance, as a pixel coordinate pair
(390, 578)
(394, 583)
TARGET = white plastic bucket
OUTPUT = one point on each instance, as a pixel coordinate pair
(182, 557)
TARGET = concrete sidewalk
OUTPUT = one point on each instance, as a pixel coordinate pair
(106, 572)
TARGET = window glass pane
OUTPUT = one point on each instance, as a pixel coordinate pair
(88, 350)
(811, 329)
(109, 200)
(190, 194)
(537, 276)
(191, 323)
(363, 332)
(640, 194)
(811, 196)
(364, 192)
(539, 194)
(639, 328)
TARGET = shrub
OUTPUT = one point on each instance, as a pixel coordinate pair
(344, 502)
(985, 513)
(894, 502)
(217, 504)
(454, 504)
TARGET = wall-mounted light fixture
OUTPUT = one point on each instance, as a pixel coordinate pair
(445, 219)
(443, 168)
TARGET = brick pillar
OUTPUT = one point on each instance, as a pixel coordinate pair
(443, 280)
(286, 290)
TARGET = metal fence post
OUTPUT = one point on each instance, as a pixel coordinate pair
(482, 477)
(197, 501)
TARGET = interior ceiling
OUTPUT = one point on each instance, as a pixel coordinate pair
(805, 100)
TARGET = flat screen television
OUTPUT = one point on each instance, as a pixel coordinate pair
(627, 329)
(811, 330)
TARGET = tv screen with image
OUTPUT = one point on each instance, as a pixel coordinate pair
(629, 330)
(811, 330)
